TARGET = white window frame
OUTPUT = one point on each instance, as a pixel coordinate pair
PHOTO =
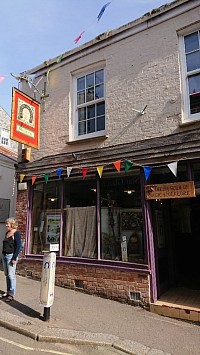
(187, 117)
(74, 128)
(5, 134)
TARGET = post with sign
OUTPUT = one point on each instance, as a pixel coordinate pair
(47, 283)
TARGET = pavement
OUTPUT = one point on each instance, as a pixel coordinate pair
(76, 317)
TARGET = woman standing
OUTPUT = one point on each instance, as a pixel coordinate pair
(11, 249)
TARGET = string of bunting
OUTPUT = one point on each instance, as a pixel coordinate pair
(117, 164)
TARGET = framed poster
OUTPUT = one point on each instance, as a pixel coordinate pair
(25, 119)
(4, 209)
(53, 222)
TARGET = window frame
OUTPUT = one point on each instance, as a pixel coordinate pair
(95, 134)
(187, 117)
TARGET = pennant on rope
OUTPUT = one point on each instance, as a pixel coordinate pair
(173, 167)
(100, 170)
(147, 171)
(21, 177)
(59, 58)
(117, 165)
(84, 172)
(79, 37)
(46, 178)
(59, 172)
(128, 165)
(2, 78)
(69, 170)
(102, 10)
(34, 177)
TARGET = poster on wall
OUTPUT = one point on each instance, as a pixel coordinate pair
(4, 209)
(25, 119)
(53, 228)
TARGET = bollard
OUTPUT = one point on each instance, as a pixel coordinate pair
(47, 283)
(46, 314)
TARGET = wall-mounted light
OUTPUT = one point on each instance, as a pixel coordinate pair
(129, 192)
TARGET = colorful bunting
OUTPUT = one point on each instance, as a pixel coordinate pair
(34, 177)
(69, 170)
(117, 165)
(59, 172)
(102, 10)
(79, 37)
(21, 177)
(46, 178)
(2, 78)
(59, 58)
(173, 167)
(128, 165)
(84, 172)
(147, 171)
(100, 170)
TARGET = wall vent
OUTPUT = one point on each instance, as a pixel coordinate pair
(134, 296)
(79, 283)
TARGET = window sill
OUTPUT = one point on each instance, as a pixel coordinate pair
(82, 140)
(189, 123)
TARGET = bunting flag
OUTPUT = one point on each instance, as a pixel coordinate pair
(34, 177)
(2, 78)
(100, 170)
(117, 165)
(84, 172)
(147, 171)
(59, 58)
(59, 172)
(69, 170)
(46, 178)
(21, 177)
(79, 37)
(173, 167)
(128, 165)
(102, 10)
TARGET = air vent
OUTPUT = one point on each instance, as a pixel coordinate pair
(79, 283)
(134, 296)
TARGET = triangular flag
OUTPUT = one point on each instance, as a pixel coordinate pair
(59, 172)
(147, 171)
(100, 170)
(84, 172)
(21, 177)
(79, 37)
(58, 60)
(102, 10)
(2, 78)
(46, 177)
(128, 165)
(69, 170)
(173, 167)
(117, 165)
(33, 179)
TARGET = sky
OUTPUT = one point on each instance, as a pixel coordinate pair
(33, 31)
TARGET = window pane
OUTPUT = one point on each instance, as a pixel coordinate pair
(194, 84)
(193, 61)
(99, 91)
(81, 114)
(89, 80)
(81, 83)
(90, 94)
(91, 111)
(101, 123)
(194, 103)
(80, 97)
(91, 126)
(99, 77)
(191, 42)
(101, 109)
(82, 128)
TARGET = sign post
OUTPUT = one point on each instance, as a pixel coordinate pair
(47, 283)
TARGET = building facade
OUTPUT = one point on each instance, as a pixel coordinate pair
(115, 182)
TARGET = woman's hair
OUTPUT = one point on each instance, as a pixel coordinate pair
(12, 221)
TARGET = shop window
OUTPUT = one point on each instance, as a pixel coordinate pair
(121, 219)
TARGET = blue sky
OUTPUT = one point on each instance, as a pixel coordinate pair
(33, 31)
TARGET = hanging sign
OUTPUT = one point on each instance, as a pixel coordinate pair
(25, 119)
(184, 189)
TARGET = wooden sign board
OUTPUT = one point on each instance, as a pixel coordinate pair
(184, 189)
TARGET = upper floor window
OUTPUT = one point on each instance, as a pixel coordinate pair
(90, 104)
(191, 43)
(4, 136)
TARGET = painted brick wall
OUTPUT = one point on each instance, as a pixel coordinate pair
(142, 69)
(101, 281)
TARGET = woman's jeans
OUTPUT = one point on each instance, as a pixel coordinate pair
(9, 271)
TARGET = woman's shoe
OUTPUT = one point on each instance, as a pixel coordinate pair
(9, 299)
(3, 295)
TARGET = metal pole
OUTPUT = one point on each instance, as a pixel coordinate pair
(46, 314)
